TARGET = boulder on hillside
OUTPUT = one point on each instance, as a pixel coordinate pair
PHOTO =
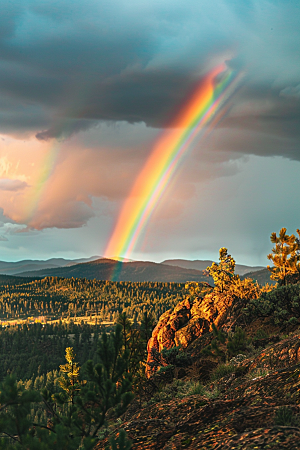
(190, 319)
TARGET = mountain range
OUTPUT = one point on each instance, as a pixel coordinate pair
(108, 269)
(175, 270)
(198, 264)
(26, 265)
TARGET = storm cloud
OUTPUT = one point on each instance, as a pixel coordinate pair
(62, 72)
(87, 89)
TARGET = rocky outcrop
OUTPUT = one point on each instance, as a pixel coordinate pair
(278, 356)
(243, 413)
(189, 320)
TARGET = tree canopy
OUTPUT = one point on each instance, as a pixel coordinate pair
(285, 256)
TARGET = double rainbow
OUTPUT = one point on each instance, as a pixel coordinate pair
(207, 100)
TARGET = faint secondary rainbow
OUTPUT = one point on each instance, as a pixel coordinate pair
(75, 108)
(48, 166)
(207, 100)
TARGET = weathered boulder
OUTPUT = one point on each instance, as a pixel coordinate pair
(189, 320)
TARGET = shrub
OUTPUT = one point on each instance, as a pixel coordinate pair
(285, 417)
(236, 342)
(245, 289)
(280, 305)
(222, 370)
(175, 356)
(237, 359)
(257, 373)
(226, 345)
(119, 443)
(165, 369)
(260, 334)
(196, 388)
(293, 321)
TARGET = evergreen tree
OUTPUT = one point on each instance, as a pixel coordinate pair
(15, 402)
(285, 256)
(147, 325)
(135, 345)
(77, 412)
(70, 382)
(120, 443)
(223, 273)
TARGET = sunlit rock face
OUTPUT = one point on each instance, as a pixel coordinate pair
(189, 320)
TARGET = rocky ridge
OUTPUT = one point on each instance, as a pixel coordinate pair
(236, 412)
(190, 319)
(250, 401)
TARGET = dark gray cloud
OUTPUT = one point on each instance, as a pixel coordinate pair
(6, 226)
(5, 219)
(262, 121)
(291, 91)
(66, 128)
(63, 69)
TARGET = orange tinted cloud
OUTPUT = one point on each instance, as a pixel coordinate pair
(32, 194)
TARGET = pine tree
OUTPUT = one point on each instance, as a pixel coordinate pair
(15, 402)
(223, 273)
(119, 443)
(70, 382)
(147, 325)
(285, 256)
(75, 414)
(134, 345)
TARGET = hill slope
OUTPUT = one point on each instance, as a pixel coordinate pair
(15, 268)
(236, 391)
(107, 269)
(261, 276)
(198, 264)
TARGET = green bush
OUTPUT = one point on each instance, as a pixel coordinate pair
(221, 371)
(195, 388)
(260, 334)
(165, 369)
(285, 417)
(119, 443)
(175, 356)
(192, 387)
(237, 342)
(257, 373)
(280, 304)
(293, 321)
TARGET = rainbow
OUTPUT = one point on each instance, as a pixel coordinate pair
(48, 167)
(51, 157)
(207, 100)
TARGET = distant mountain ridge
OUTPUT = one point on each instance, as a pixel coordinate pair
(175, 270)
(261, 276)
(108, 269)
(15, 268)
(198, 264)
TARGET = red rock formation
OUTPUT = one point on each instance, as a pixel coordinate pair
(190, 319)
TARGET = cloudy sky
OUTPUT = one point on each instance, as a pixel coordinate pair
(87, 88)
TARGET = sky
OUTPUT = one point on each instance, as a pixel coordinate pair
(87, 89)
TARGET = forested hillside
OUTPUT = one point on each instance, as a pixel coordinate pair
(31, 351)
(59, 298)
(66, 382)
(108, 269)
